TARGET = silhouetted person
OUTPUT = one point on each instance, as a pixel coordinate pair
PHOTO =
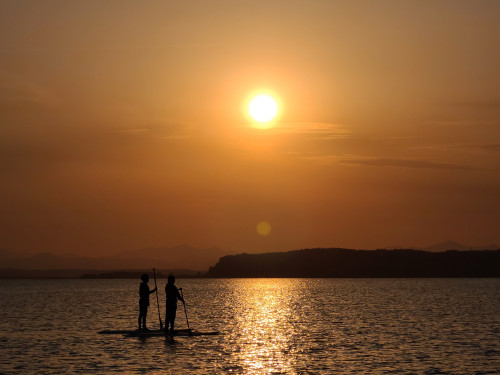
(144, 293)
(172, 296)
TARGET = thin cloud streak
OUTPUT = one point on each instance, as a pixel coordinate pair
(320, 130)
(161, 131)
(464, 123)
(487, 147)
(390, 162)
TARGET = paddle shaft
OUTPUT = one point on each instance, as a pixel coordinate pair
(157, 301)
(185, 311)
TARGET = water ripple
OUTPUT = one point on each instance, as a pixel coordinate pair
(268, 326)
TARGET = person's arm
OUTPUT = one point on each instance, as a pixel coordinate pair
(179, 296)
(152, 291)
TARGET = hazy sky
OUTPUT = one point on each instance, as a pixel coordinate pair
(123, 124)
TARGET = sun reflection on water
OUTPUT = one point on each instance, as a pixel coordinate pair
(267, 324)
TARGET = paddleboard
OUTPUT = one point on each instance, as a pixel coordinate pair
(156, 332)
(127, 331)
(176, 333)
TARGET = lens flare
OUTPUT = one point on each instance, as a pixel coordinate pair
(263, 228)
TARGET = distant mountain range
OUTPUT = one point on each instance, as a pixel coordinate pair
(452, 245)
(447, 245)
(167, 258)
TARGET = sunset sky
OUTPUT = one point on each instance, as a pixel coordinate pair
(123, 124)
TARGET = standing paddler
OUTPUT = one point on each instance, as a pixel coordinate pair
(172, 296)
(144, 293)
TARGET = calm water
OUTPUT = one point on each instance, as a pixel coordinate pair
(268, 326)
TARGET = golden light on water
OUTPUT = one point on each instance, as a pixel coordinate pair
(266, 320)
(263, 228)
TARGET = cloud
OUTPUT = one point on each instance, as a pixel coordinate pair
(408, 163)
(315, 130)
(495, 147)
(490, 147)
(160, 130)
(486, 147)
(465, 123)
(389, 162)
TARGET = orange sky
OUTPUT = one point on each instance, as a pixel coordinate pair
(122, 124)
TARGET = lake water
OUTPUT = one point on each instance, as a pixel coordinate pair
(268, 326)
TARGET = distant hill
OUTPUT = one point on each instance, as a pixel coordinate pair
(360, 263)
(452, 245)
(6, 273)
(160, 274)
(447, 245)
(182, 256)
(179, 257)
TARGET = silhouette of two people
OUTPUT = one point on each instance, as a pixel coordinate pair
(172, 296)
(144, 293)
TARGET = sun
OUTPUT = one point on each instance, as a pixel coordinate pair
(263, 108)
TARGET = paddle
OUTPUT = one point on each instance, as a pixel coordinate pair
(185, 311)
(157, 301)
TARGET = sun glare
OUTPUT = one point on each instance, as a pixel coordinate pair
(263, 108)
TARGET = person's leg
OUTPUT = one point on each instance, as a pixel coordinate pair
(173, 319)
(144, 318)
(169, 319)
(141, 314)
(166, 320)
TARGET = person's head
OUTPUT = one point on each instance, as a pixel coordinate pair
(171, 279)
(145, 277)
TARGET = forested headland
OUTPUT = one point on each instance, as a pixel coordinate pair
(360, 263)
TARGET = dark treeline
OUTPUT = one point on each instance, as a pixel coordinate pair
(360, 263)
